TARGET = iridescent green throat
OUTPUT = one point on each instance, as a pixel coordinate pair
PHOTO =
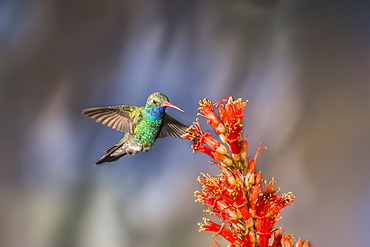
(146, 130)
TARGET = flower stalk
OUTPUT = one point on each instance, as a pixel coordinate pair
(248, 206)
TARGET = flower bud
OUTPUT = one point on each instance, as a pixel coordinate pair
(243, 146)
(306, 244)
(299, 243)
(250, 222)
(252, 237)
(222, 149)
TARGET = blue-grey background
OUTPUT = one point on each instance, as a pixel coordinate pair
(304, 66)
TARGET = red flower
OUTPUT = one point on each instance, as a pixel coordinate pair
(248, 205)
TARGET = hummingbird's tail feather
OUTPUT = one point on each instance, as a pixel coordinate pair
(107, 158)
(125, 146)
(111, 154)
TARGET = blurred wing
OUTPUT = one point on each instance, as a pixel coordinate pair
(172, 127)
(121, 118)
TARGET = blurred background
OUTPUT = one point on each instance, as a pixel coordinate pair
(304, 66)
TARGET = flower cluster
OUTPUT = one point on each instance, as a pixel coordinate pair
(248, 206)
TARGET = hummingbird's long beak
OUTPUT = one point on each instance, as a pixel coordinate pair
(168, 104)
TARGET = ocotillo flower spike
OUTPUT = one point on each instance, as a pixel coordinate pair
(248, 206)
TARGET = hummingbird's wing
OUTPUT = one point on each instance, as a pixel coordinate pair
(172, 127)
(122, 118)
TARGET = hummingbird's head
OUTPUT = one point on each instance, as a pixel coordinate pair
(160, 100)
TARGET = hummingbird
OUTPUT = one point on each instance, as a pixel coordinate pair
(143, 125)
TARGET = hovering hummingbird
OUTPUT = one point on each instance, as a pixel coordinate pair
(143, 125)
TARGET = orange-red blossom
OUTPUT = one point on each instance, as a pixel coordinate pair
(248, 205)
